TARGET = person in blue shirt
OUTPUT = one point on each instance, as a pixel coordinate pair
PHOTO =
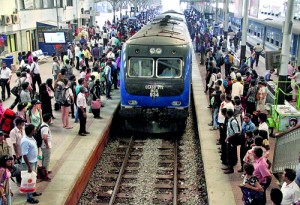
(30, 157)
(268, 74)
(247, 126)
(82, 41)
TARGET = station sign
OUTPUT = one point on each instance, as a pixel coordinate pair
(134, 9)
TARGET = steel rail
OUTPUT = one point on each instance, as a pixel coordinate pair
(122, 169)
(175, 176)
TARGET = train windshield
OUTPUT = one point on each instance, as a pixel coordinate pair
(141, 67)
(169, 68)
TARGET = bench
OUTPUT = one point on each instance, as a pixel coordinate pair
(41, 55)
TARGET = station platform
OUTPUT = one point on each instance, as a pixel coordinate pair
(70, 152)
(221, 188)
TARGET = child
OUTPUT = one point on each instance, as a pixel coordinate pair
(251, 189)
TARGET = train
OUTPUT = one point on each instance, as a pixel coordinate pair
(155, 76)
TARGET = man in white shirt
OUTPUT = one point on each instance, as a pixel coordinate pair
(237, 88)
(46, 144)
(289, 189)
(81, 104)
(35, 71)
(113, 41)
(16, 136)
(5, 80)
(70, 54)
(77, 50)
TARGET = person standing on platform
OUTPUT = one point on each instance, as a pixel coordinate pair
(232, 130)
(35, 72)
(246, 138)
(296, 77)
(108, 75)
(261, 96)
(81, 104)
(5, 78)
(258, 50)
(70, 54)
(55, 68)
(290, 190)
(261, 171)
(46, 144)
(30, 156)
(16, 136)
(77, 52)
(87, 56)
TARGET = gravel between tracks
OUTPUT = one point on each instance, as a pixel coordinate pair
(192, 165)
(145, 192)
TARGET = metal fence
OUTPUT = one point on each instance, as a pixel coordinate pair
(286, 151)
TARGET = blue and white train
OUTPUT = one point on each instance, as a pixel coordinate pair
(155, 77)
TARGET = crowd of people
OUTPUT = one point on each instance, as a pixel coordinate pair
(25, 134)
(237, 99)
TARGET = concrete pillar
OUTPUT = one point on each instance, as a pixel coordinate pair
(216, 14)
(226, 10)
(244, 31)
(285, 51)
(298, 52)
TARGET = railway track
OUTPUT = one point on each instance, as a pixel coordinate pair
(152, 169)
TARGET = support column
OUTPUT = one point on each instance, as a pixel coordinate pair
(226, 10)
(285, 51)
(216, 14)
(298, 52)
(244, 30)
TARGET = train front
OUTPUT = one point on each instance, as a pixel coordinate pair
(155, 86)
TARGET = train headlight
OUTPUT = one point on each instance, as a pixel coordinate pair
(176, 103)
(152, 50)
(158, 51)
(132, 102)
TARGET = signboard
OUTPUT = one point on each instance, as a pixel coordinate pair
(254, 8)
(273, 60)
(132, 9)
(238, 8)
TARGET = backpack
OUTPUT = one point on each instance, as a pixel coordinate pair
(222, 61)
(65, 100)
(38, 136)
(226, 59)
(7, 121)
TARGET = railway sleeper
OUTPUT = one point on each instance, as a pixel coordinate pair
(180, 176)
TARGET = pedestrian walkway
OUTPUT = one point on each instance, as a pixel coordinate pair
(70, 152)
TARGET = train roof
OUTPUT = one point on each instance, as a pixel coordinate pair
(173, 16)
(275, 22)
(172, 11)
(162, 33)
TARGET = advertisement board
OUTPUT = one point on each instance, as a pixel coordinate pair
(238, 8)
(254, 8)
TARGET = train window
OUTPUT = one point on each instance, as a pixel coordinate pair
(169, 68)
(141, 67)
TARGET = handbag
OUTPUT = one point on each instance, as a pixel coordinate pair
(96, 104)
(15, 91)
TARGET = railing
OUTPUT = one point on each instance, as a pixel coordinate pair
(287, 150)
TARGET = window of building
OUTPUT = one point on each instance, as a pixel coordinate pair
(11, 43)
(69, 2)
(48, 4)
